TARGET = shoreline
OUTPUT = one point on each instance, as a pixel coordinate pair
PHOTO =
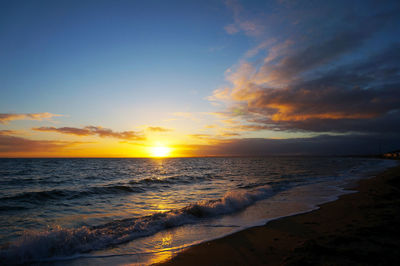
(358, 228)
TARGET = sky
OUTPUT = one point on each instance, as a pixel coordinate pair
(198, 78)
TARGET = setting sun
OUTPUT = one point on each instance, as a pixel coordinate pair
(160, 151)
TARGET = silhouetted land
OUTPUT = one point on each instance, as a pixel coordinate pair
(358, 229)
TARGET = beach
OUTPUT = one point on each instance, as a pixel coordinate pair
(357, 229)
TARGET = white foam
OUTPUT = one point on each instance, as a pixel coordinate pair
(55, 242)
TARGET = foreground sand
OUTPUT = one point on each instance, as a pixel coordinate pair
(358, 229)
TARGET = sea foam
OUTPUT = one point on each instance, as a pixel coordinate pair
(58, 241)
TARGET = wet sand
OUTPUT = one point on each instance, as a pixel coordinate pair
(358, 229)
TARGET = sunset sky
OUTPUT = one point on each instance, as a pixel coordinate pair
(198, 78)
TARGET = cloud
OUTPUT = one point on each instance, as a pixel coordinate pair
(318, 75)
(66, 130)
(93, 131)
(229, 134)
(7, 132)
(5, 118)
(12, 144)
(358, 97)
(320, 53)
(231, 29)
(212, 126)
(320, 145)
(201, 136)
(251, 127)
(242, 22)
(290, 59)
(262, 46)
(158, 129)
(207, 139)
(222, 136)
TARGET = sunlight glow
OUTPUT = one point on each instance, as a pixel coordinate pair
(160, 151)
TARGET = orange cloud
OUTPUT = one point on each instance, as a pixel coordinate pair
(158, 129)
(229, 134)
(249, 127)
(342, 100)
(93, 131)
(5, 118)
(200, 136)
(12, 144)
(207, 138)
(298, 83)
(7, 132)
(210, 126)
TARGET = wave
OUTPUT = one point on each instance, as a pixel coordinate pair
(37, 246)
(55, 194)
(134, 186)
(173, 179)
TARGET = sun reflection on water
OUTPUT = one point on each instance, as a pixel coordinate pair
(164, 246)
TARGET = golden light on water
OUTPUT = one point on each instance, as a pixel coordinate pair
(160, 151)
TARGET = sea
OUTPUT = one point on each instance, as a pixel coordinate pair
(106, 211)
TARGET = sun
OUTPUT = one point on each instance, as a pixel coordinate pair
(160, 151)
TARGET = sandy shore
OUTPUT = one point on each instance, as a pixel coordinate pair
(358, 229)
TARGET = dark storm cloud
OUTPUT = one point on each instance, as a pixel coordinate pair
(321, 145)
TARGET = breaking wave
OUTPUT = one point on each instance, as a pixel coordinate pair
(37, 246)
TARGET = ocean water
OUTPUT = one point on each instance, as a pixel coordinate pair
(118, 211)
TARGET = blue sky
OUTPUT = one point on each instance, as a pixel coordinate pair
(124, 53)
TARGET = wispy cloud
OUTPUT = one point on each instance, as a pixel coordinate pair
(93, 131)
(210, 126)
(8, 132)
(242, 22)
(229, 134)
(201, 136)
(158, 129)
(231, 29)
(7, 117)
